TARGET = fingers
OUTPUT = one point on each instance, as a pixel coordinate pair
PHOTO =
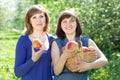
(32, 50)
(76, 69)
(77, 66)
(81, 70)
(43, 47)
(40, 51)
(78, 62)
(36, 55)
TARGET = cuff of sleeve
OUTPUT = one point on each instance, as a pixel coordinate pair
(31, 62)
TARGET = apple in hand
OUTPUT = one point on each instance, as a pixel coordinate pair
(72, 45)
(36, 44)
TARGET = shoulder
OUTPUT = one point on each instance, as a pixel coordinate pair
(91, 42)
(57, 40)
(22, 41)
(84, 37)
(85, 40)
(23, 38)
(56, 43)
(50, 36)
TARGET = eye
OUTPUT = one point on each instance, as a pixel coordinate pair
(41, 16)
(64, 21)
(72, 20)
(34, 17)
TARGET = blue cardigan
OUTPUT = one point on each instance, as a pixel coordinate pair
(25, 67)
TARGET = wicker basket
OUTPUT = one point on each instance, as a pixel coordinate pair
(82, 56)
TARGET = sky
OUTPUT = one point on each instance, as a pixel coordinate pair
(10, 4)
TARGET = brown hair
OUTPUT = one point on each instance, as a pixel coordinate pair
(66, 14)
(33, 10)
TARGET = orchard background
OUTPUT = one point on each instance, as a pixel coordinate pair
(100, 20)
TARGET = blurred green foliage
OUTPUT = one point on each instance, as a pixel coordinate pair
(100, 20)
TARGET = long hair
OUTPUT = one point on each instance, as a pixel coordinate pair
(67, 14)
(32, 11)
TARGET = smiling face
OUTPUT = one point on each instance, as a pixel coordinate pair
(68, 25)
(36, 16)
(38, 21)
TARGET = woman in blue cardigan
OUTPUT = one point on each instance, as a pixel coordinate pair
(31, 63)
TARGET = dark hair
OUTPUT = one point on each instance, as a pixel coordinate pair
(66, 14)
(34, 10)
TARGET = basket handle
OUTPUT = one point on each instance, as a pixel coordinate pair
(79, 44)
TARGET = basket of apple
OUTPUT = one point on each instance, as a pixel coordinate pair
(82, 53)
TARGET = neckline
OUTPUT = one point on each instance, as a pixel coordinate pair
(65, 40)
(31, 41)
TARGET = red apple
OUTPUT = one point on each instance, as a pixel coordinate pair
(85, 49)
(36, 44)
(72, 45)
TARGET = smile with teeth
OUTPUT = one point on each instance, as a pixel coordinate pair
(69, 28)
(39, 24)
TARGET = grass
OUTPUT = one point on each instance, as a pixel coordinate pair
(7, 56)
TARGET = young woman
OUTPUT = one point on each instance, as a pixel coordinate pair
(31, 63)
(69, 29)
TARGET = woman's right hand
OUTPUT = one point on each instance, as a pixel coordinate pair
(68, 53)
(36, 55)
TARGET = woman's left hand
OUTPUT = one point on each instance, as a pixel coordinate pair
(81, 66)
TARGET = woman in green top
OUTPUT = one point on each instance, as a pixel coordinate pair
(69, 29)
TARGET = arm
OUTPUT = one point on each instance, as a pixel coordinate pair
(101, 61)
(21, 65)
(59, 61)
